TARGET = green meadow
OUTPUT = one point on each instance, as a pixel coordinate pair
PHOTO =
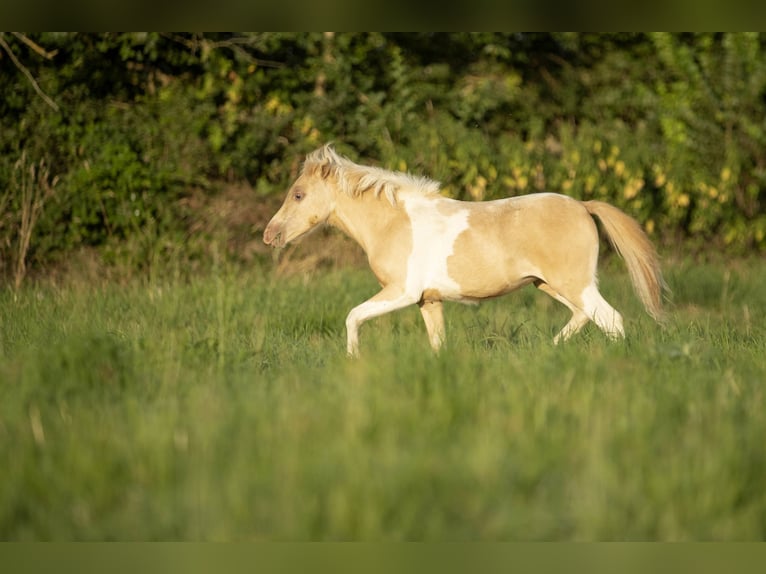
(224, 408)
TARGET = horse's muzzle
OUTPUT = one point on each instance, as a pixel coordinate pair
(273, 235)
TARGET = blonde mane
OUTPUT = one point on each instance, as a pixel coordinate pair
(355, 179)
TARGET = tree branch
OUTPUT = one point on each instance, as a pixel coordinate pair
(26, 72)
(35, 46)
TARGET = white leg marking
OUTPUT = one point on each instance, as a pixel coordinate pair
(602, 313)
(378, 305)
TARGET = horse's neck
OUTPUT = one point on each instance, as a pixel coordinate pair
(366, 218)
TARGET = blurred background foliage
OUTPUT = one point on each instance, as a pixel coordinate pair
(143, 149)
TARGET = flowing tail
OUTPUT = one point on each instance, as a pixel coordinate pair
(632, 244)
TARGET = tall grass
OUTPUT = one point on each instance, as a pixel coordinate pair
(225, 409)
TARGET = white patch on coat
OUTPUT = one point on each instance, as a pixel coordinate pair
(433, 242)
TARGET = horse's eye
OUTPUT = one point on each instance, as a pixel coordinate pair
(298, 195)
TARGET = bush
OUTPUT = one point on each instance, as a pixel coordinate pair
(667, 126)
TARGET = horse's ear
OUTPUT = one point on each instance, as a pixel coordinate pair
(325, 170)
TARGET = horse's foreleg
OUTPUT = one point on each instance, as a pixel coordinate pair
(387, 300)
(434, 320)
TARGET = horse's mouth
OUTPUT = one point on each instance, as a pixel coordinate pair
(275, 241)
(278, 240)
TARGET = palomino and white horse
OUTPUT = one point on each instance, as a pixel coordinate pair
(425, 248)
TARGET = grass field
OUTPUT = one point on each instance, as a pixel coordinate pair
(224, 408)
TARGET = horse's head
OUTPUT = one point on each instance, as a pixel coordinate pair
(308, 204)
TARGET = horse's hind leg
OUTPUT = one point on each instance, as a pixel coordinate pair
(602, 313)
(590, 305)
(578, 319)
(576, 323)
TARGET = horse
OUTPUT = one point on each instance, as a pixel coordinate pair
(425, 248)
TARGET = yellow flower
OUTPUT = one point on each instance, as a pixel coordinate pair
(597, 146)
(633, 187)
(306, 125)
(273, 104)
(477, 190)
(234, 94)
(590, 183)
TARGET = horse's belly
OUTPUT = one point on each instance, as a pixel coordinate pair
(481, 269)
(486, 287)
(474, 283)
